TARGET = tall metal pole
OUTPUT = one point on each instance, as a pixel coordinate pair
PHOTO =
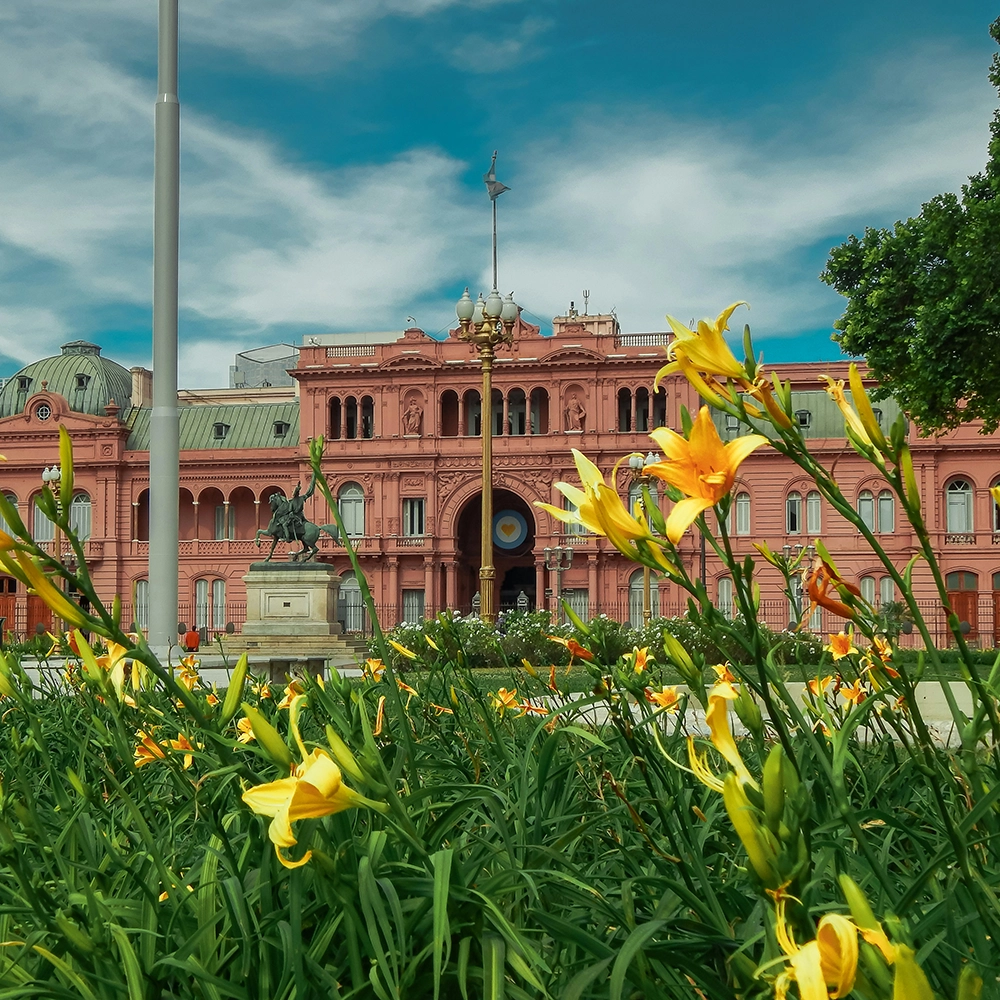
(494, 244)
(487, 571)
(164, 444)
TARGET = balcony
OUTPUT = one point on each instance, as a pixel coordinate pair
(962, 538)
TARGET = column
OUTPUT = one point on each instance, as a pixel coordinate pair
(135, 520)
(391, 595)
(539, 584)
(451, 583)
(593, 597)
(430, 597)
(256, 513)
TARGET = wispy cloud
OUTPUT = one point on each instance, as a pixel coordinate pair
(649, 213)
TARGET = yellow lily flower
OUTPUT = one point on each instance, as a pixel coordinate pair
(640, 658)
(840, 645)
(373, 669)
(666, 699)
(705, 349)
(315, 789)
(245, 729)
(824, 969)
(504, 700)
(717, 720)
(600, 510)
(702, 467)
(408, 653)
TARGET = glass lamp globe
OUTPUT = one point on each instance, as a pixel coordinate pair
(465, 307)
(477, 314)
(508, 313)
(493, 306)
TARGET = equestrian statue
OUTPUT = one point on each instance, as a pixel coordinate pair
(289, 524)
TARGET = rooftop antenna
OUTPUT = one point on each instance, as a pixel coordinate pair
(495, 189)
(586, 300)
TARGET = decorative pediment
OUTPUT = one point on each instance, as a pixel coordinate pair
(573, 354)
(410, 361)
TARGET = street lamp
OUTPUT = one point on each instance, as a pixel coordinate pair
(558, 558)
(636, 465)
(487, 325)
(51, 478)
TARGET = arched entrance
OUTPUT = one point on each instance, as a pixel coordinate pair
(513, 550)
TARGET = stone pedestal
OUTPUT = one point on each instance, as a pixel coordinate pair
(291, 599)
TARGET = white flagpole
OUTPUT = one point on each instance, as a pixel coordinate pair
(164, 444)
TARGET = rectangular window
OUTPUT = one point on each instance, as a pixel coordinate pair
(742, 513)
(219, 604)
(886, 590)
(886, 513)
(724, 601)
(413, 605)
(220, 523)
(140, 612)
(866, 509)
(413, 517)
(200, 604)
(793, 514)
(579, 601)
(79, 516)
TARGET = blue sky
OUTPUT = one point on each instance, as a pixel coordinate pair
(669, 157)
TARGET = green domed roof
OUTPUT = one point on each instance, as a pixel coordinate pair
(86, 380)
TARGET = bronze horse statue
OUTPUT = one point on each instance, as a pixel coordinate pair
(289, 524)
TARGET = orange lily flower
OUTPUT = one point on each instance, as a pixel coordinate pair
(504, 700)
(373, 669)
(667, 698)
(840, 645)
(823, 579)
(576, 651)
(818, 685)
(292, 690)
(640, 658)
(853, 693)
(701, 467)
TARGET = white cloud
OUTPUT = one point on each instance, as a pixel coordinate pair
(652, 215)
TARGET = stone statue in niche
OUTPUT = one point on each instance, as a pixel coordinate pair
(413, 418)
(576, 415)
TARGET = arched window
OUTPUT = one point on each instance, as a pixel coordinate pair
(866, 509)
(79, 516)
(497, 413)
(814, 513)
(868, 588)
(517, 412)
(724, 597)
(336, 421)
(351, 501)
(742, 513)
(201, 604)
(660, 408)
(886, 590)
(793, 514)
(140, 609)
(367, 417)
(886, 513)
(350, 418)
(539, 411)
(642, 409)
(42, 529)
(624, 409)
(351, 610)
(959, 507)
(635, 598)
(4, 526)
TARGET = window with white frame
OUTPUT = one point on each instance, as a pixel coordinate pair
(572, 528)
(42, 529)
(866, 509)
(793, 514)
(413, 606)
(742, 513)
(201, 608)
(413, 518)
(814, 513)
(868, 588)
(886, 512)
(140, 611)
(352, 509)
(219, 604)
(886, 590)
(4, 526)
(958, 513)
(579, 602)
(724, 597)
(636, 595)
(80, 516)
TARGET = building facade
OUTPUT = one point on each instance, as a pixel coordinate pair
(402, 417)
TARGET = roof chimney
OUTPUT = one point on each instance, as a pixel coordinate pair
(142, 387)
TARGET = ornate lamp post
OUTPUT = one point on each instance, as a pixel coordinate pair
(636, 465)
(557, 559)
(486, 325)
(51, 478)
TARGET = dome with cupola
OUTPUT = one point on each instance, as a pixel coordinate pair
(86, 380)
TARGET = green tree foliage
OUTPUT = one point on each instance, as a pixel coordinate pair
(924, 303)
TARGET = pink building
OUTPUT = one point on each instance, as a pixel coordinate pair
(402, 419)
